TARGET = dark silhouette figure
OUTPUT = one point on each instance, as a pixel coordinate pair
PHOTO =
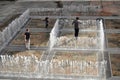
(46, 22)
(76, 27)
(27, 39)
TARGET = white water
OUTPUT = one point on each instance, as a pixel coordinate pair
(86, 38)
(26, 66)
(13, 27)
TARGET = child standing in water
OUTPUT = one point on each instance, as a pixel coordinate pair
(27, 38)
(46, 22)
(76, 27)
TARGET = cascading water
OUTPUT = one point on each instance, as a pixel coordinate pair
(11, 30)
(102, 35)
(88, 37)
(54, 33)
(102, 47)
(31, 66)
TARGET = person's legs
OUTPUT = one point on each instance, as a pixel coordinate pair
(46, 25)
(76, 33)
(27, 43)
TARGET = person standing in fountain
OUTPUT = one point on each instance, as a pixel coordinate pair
(46, 22)
(27, 39)
(76, 27)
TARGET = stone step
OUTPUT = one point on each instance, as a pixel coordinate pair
(81, 17)
(23, 48)
(38, 29)
(5, 79)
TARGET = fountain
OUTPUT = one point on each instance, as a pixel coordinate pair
(91, 38)
(86, 42)
(88, 36)
(12, 29)
(22, 65)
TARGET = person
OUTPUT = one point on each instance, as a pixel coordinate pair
(76, 27)
(46, 22)
(27, 39)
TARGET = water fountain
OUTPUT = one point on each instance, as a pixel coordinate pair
(12, 29)
(32, 67)
(86, 39)
(84, 43)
